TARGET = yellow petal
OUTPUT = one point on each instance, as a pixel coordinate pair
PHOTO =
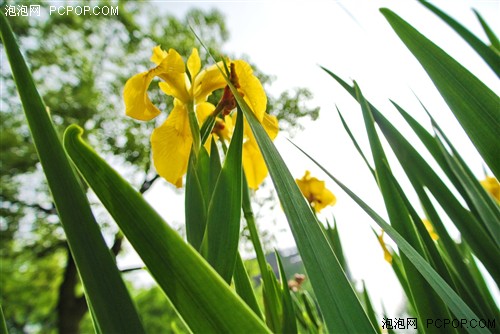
(137, 102)
(270, 124)
(252, 89)
(174, 75)
(158, 55)
(327, 198)
(203, 110)
(253, 164)
(208, 81)
(194, 64)
(491, 185)
(171, 144)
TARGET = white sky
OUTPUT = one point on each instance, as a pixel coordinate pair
(289, 40)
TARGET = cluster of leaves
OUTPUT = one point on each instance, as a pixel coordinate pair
(80, 66)
(440, 278)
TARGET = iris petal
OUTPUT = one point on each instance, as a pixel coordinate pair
(137, 102)
(171, 143)
(252, 89)
(174, 75)
(194, 64)
(208, 81)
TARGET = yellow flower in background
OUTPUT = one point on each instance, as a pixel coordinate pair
(171, 142)
(491, 185)
(430, 229)
(315, 192)
(387, 254)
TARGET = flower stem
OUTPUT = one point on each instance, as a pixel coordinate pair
(195, 128)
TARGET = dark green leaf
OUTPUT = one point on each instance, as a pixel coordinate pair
(224, 211)
(203, 299)
(114, 310)
(474, 104)
(339, 304)
(488, 54)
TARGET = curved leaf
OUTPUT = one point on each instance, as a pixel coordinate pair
(203, 299)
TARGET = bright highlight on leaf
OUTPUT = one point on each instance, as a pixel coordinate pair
(314, 190)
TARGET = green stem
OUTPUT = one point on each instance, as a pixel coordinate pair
(252, 227)
(195, 128)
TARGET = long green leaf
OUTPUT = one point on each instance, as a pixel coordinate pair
(418, 170)
(474, 105)
(450, 298)
(427, 303)
(495, 43)
(289, 321)
(115, 311)
(488, 55)
(244, 287)
(338, 302)
(3, 325)
(195, 199)
(224, 211)
(203, 299)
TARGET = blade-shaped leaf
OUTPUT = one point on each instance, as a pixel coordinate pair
(474, 105)
(115, 311)
(488, 55)
(224, 211)
(289, 322)
(202, 298)
(420, 171)
(495, 43)
(427, 303)
(449, 297)
(244, 287)
(195, 198)
(338, 302)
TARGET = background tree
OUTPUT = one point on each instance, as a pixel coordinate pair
(81, 64)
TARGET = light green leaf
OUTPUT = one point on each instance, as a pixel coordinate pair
(202, 298)
(115, 311)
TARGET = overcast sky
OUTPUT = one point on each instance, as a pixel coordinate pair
(351, 38)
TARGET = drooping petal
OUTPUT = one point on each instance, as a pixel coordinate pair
(252, 89)
(158, 55)
(208, 81)
(171, 144)
(174, 75)
(194, 64)
(253, 164)
(137, 102)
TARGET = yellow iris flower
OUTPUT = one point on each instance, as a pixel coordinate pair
(171, 142)
(491, 185)
(315, 192)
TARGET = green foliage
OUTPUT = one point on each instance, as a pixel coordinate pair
(80, 67)
(195, 293)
